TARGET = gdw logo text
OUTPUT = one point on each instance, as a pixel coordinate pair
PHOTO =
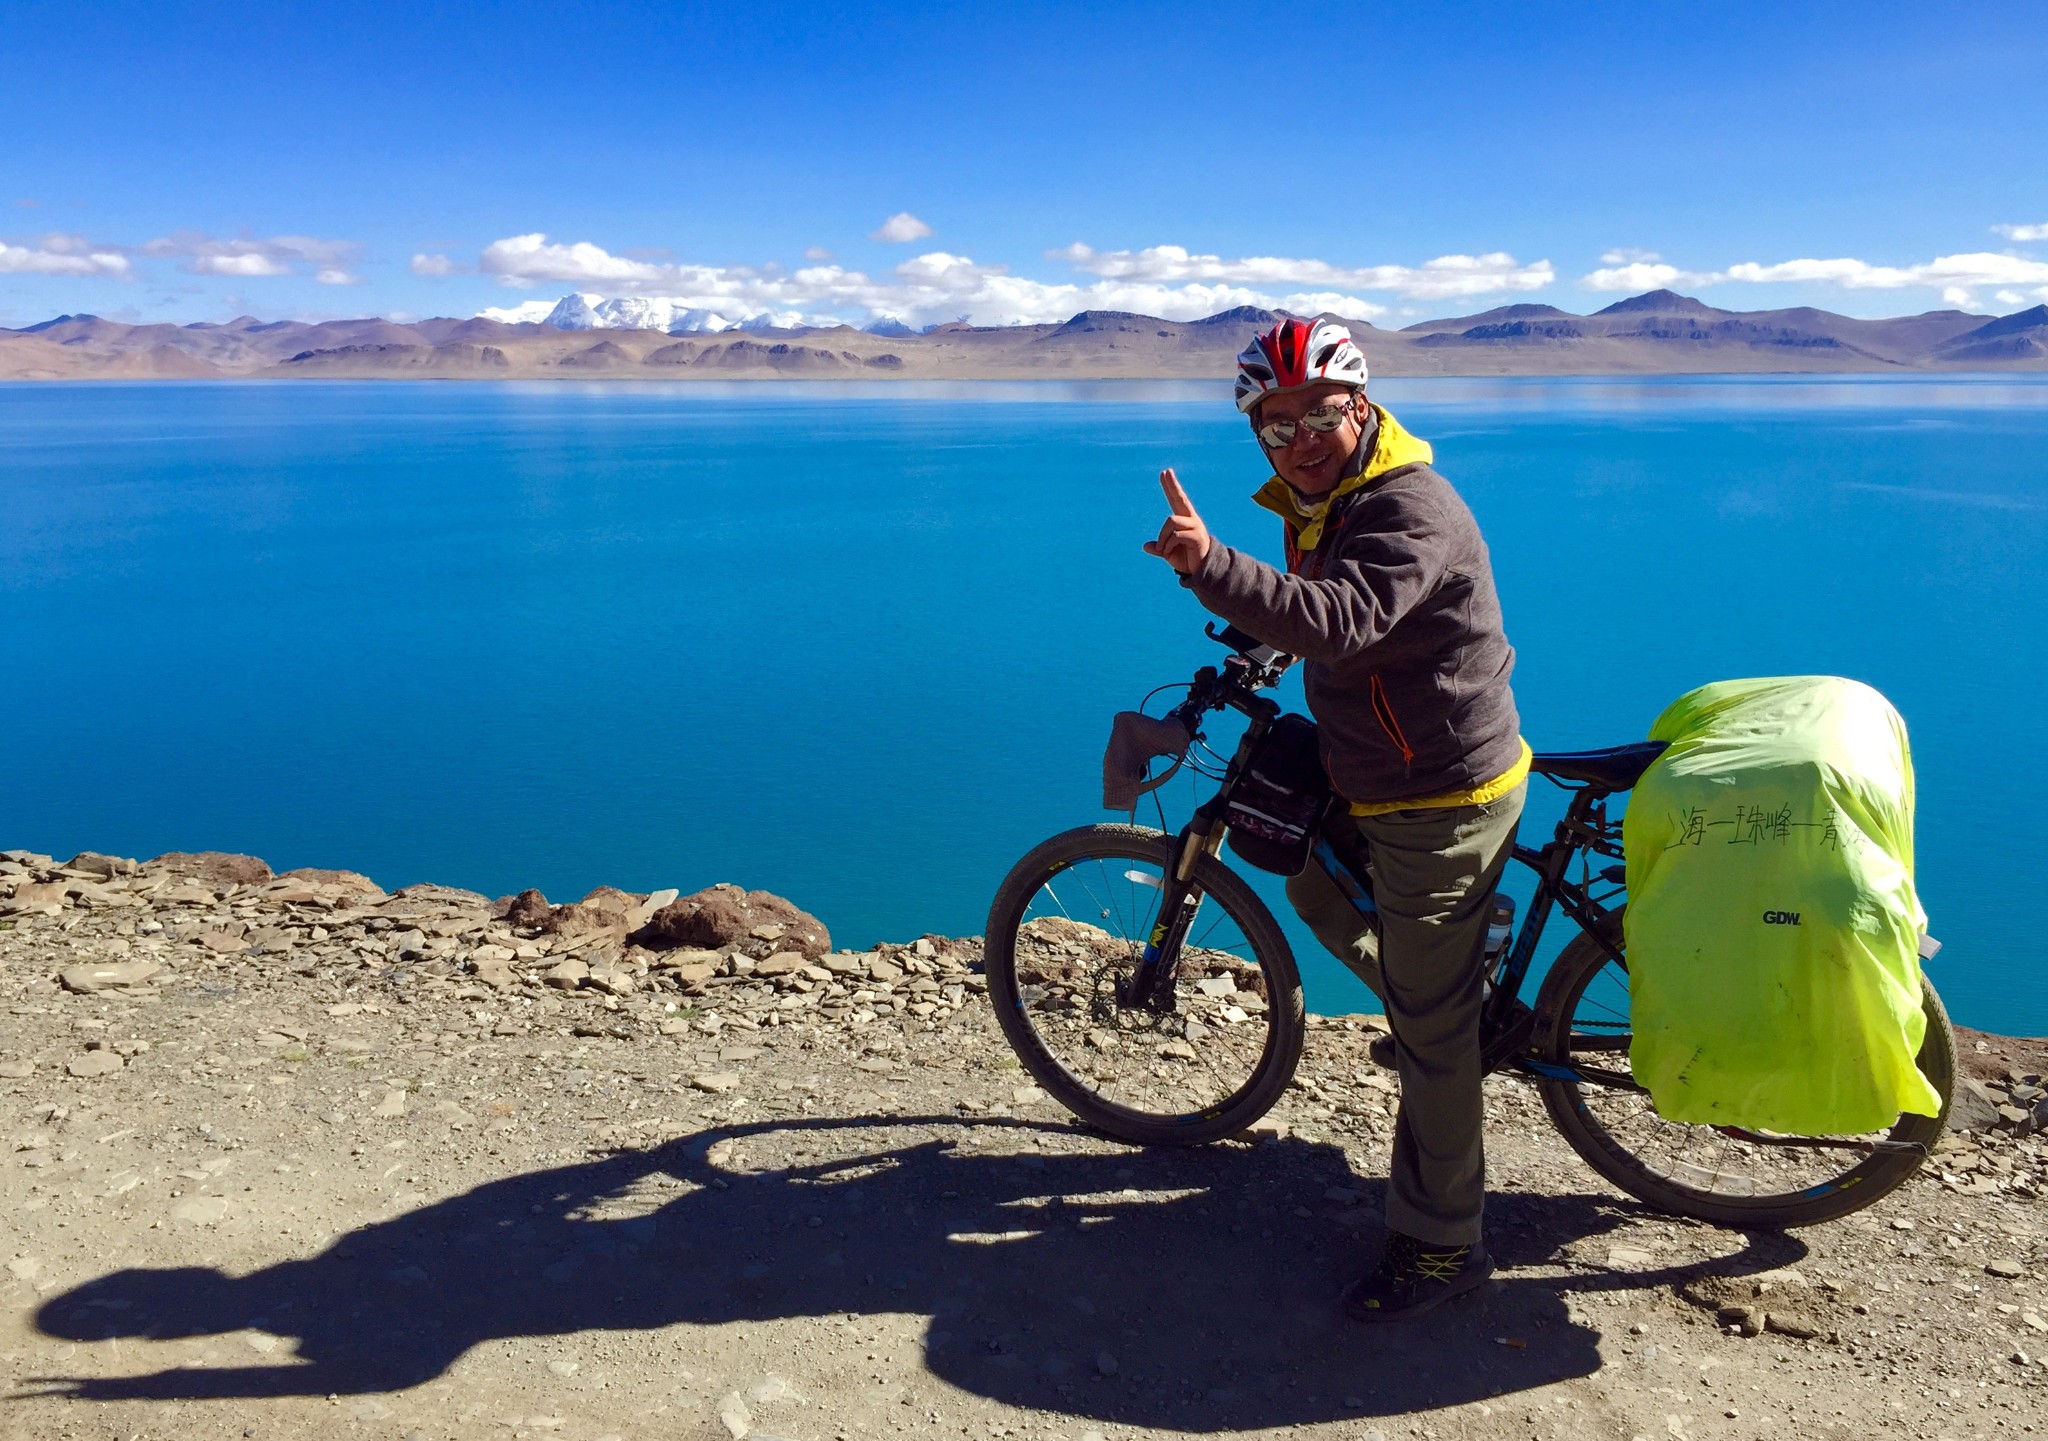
(1781, 918)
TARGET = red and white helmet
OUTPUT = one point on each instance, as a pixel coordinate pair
(1295, 353)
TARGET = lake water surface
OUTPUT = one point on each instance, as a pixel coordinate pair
(859, 645)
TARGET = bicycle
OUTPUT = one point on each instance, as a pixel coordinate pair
(1146, 987)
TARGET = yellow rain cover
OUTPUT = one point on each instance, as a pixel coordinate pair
(1772, 926)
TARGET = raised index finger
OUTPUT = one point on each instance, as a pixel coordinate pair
(1175, 496)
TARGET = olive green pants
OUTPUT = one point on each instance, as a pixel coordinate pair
(1433, 873)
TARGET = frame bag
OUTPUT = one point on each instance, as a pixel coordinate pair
(1276, 809)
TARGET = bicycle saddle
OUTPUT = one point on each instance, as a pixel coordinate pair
(1615, 768)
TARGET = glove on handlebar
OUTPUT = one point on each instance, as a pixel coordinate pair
(1133, 740)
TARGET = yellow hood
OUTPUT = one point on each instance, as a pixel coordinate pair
(1393, 448)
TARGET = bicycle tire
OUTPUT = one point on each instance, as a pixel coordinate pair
(1024, 1025)
(1832, 1197)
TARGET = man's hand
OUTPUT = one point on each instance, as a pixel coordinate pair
(1183, 541)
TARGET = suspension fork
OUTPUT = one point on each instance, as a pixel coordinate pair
(1151, 985)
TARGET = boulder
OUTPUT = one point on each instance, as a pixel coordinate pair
(106, 867)
(605, 910)
(753, 923)
(528, 910)
(1974, 1106)
(217, 867)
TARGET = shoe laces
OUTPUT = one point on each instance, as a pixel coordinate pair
(1408, 1257)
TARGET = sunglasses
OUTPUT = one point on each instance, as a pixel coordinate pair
(1279, 434)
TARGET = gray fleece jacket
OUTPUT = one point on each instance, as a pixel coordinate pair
(1394, 615)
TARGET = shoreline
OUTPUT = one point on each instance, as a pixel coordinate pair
(613, 928)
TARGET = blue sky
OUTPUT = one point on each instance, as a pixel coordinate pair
(188, 162)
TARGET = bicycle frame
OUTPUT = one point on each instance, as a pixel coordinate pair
(1507, 1021)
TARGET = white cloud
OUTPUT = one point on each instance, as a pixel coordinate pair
(433, 265)
(2022, 232)
(332, 261)
(1956, 277)
(1445, 277)
(901, 228)
(523, 261)
(932, 287)
(1642, 275)
(64, 255)
(1623, 255)
(816, 252)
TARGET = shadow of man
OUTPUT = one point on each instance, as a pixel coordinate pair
(1172, 1288)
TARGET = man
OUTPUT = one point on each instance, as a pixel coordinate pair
(1388, 600)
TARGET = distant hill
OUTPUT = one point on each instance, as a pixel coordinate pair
(1660, 332)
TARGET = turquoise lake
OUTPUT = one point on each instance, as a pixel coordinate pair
(859, 645)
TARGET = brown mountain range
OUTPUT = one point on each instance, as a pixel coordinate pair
(1657, 333)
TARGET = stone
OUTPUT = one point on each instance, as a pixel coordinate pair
(1105, 1364)
(694, 975)
(567, 975)
(2008, 1270)
(529, 910)
(200, 1210)
(782, 963)
(882, 970)
(613, 982)
(100, 976)
(215, 867)
(497, 974)
(392, 1106)
(95, 1063)
(726, 916)
(226, 942)
(716, 1082)
(1973, 1107)
(771, 1390)
(734, 1416)
(105, 867)
(18, 1069)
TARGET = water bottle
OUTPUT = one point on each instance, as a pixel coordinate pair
(1500, 927)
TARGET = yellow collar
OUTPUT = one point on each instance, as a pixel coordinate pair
(1393, 448)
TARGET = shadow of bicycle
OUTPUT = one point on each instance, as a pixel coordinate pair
(1173, 1289)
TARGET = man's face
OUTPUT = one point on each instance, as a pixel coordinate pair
(1314, 460)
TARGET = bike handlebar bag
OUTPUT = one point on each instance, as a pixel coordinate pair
(1773, 931)
(1277, 805)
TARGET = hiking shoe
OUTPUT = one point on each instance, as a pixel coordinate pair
(1414, 1276)
(1380, 1051)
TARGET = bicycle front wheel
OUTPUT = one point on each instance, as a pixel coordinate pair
(1729, 1178)
(1070, 923)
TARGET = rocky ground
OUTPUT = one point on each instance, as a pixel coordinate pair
(288, 1156)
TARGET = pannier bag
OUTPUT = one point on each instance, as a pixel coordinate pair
(1773, 932)
(1277, 805)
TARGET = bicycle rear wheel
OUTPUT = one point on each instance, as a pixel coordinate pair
(1701, 1171)
(1071, 921)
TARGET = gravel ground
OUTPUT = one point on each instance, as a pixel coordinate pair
(288, 1156)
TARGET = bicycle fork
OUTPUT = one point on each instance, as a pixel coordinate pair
(1151, 986)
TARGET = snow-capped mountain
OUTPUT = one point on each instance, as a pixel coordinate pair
(637, 312)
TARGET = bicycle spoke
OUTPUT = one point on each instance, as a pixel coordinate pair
(1084, 933)
(1699, 1158)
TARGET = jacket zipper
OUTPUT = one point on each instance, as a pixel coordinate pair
(1383, 712)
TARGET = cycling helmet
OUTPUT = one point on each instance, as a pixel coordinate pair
(1295, 353)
